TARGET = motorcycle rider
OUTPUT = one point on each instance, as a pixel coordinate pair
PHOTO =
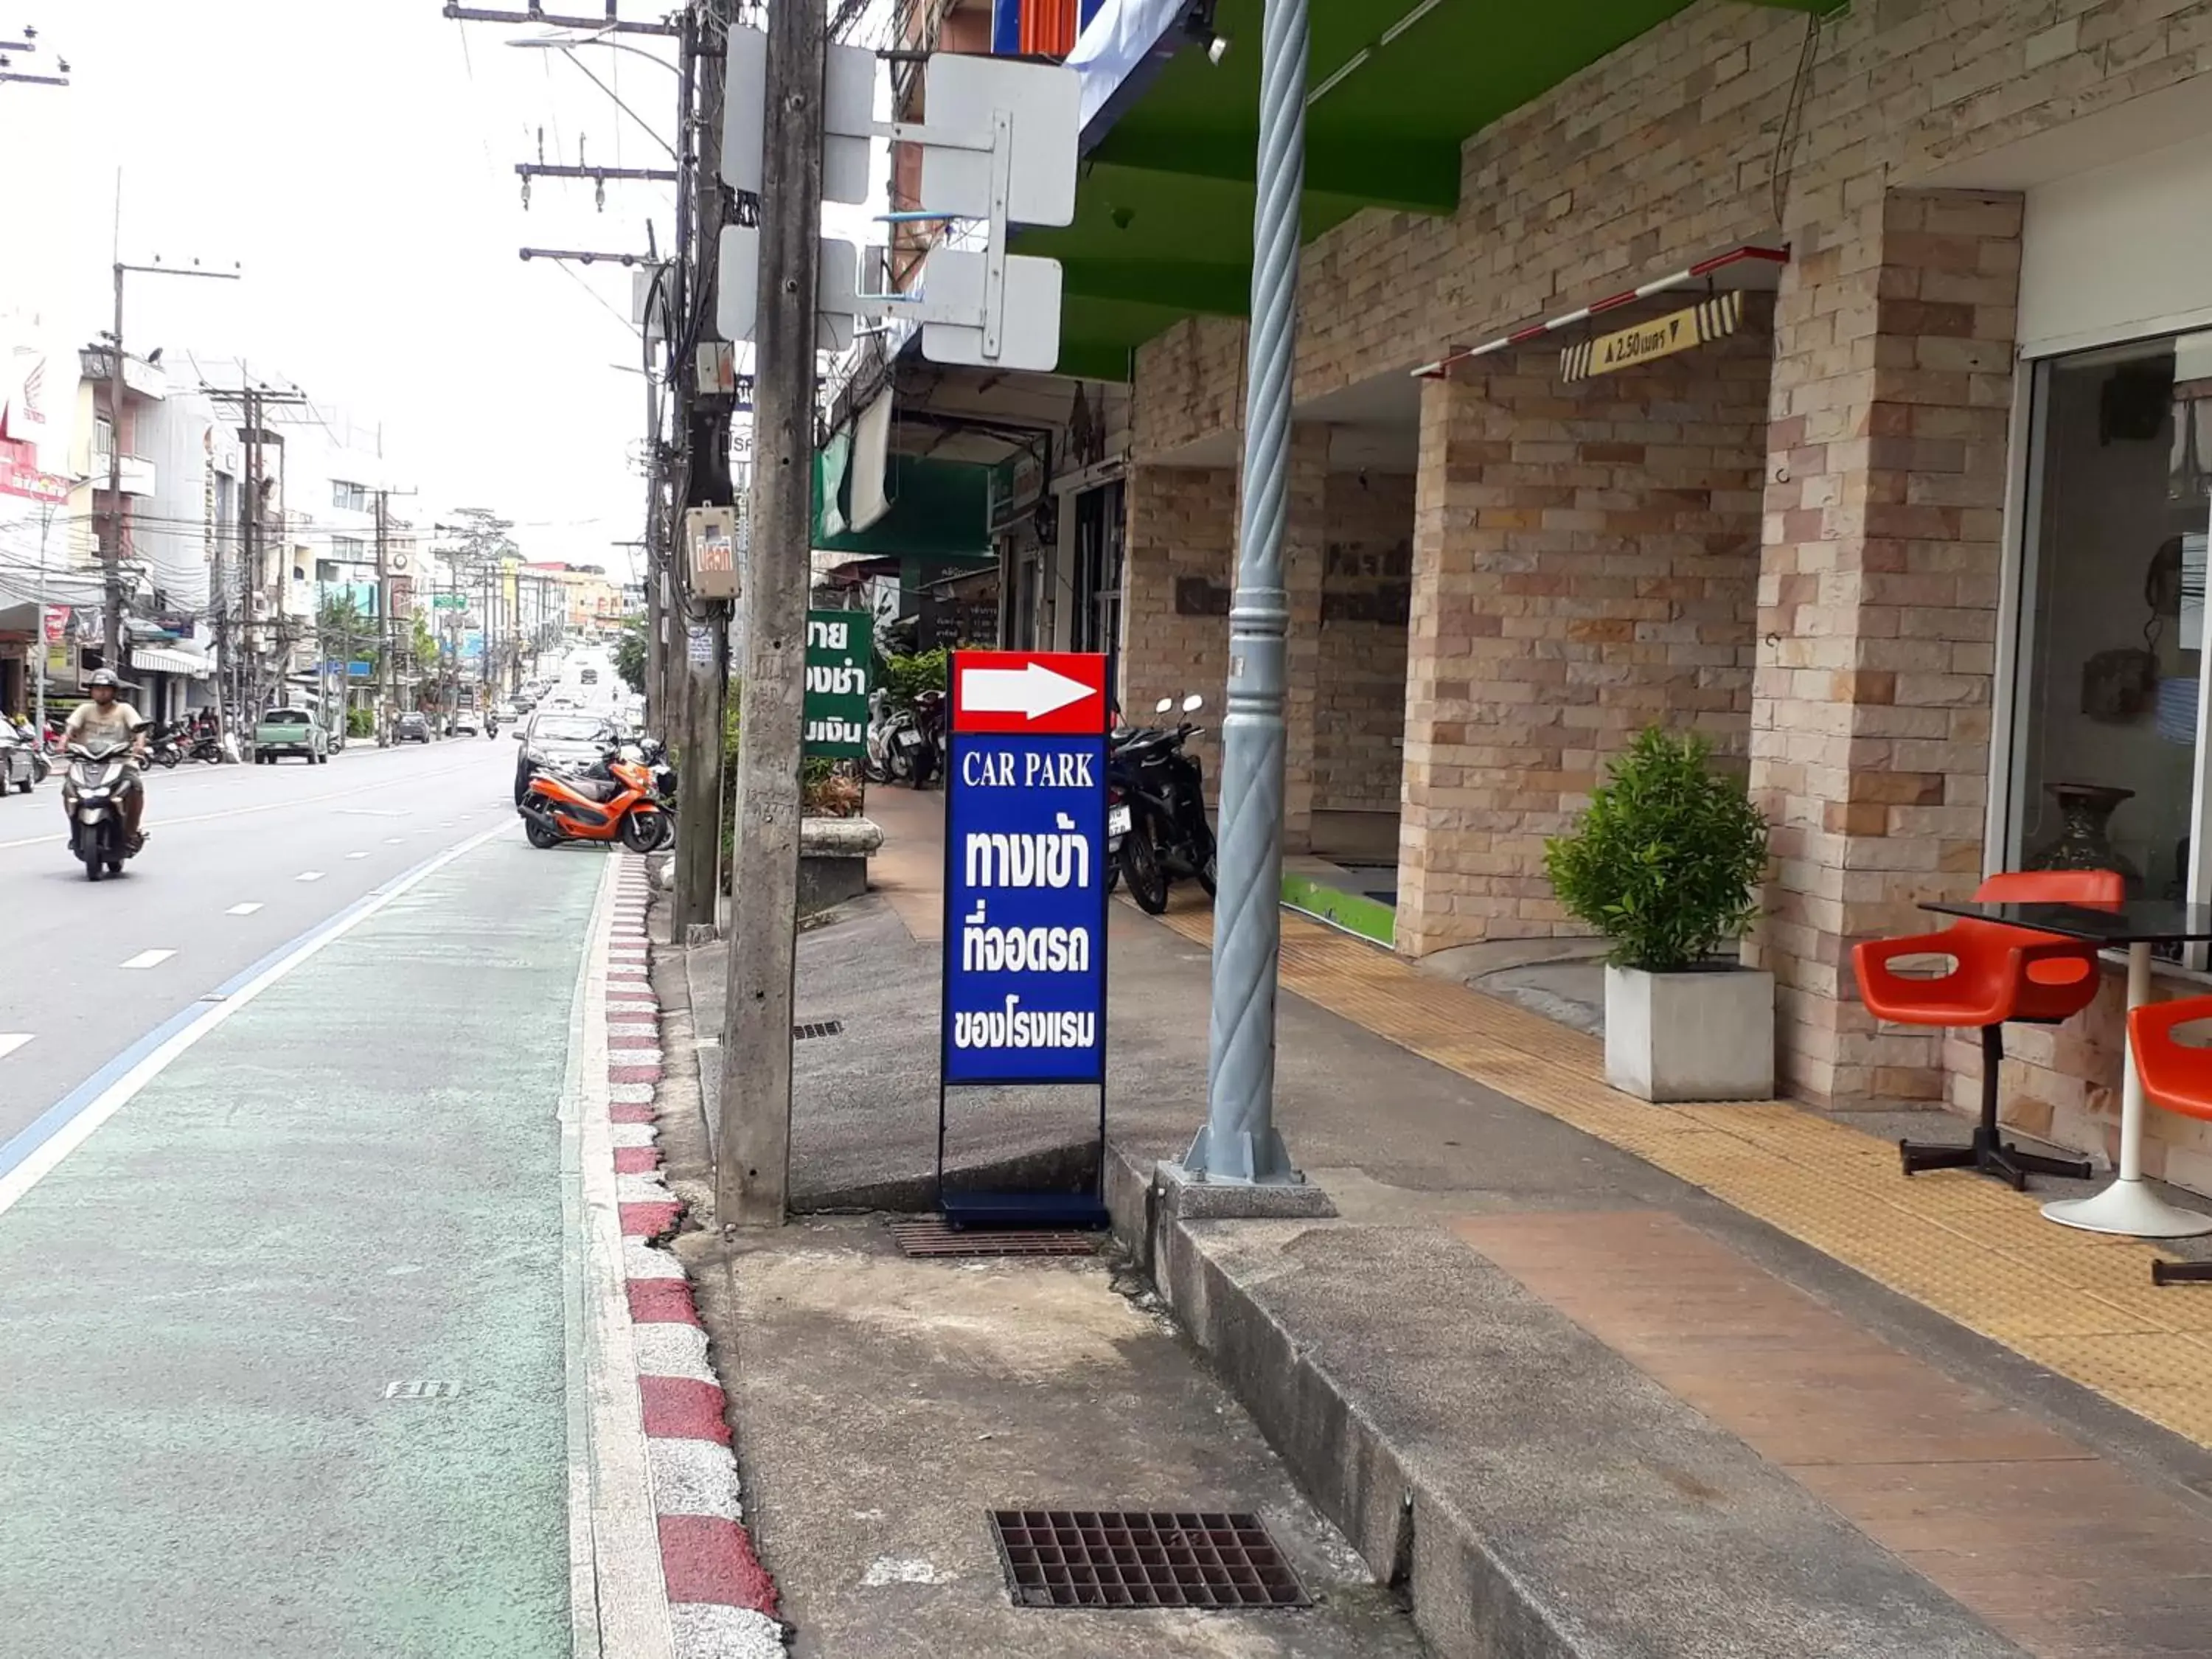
(104, 720)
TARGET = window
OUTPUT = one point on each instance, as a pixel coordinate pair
(354, 498)
(348, 549)
(2109, 735)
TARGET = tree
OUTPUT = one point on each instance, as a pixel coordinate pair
(630, 654)
(346, 635)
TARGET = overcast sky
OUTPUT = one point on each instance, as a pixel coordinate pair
(358, 162)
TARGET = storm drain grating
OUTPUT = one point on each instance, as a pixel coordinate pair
(1158, 1558)
(818, 1028)
(933, 1235)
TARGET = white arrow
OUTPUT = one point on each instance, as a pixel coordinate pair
(1029, 690)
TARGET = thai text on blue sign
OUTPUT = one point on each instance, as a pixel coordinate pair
(1025, 888)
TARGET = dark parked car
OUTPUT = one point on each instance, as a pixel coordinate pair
(559, 737)
(412, 728)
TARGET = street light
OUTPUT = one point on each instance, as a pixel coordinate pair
(567, 45)
(569, 42)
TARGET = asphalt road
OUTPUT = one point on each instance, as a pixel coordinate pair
(242, 859)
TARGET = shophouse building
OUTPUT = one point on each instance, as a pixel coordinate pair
(1916, 536)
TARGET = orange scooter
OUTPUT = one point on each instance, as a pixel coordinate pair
(619, 799)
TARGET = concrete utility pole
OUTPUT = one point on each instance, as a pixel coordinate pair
(383, 616)
(253, 403)
(112, 543)
(1239, 1144)
(752, 1176)
(703, 687)
(249, 564)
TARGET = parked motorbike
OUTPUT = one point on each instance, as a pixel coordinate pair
(929, 720)
(893, 737)
(19, 761)
(206, 746)
(168, 746)
(95, 790)
(618, 798)
(1155, 824)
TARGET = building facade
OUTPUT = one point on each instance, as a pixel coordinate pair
(1920, 545)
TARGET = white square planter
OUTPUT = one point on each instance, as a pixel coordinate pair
(1704, 1036)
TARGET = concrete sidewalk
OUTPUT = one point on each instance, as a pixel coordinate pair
(1585, 1376)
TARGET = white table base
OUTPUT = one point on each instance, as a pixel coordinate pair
(2128, 1205)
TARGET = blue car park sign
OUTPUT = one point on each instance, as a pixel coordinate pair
(1024, 897)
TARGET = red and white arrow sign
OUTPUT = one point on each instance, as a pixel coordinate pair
(1029, 690)
(1009, 691)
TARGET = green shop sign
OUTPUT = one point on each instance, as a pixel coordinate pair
(839, 647)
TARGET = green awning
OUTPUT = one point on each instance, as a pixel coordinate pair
(1163, 212)
(940, 511)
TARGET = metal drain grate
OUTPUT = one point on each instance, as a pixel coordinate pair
(818, 1028)
(933, 1236)
(1118, 1558)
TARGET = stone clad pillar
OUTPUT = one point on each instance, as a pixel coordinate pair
(1878, 600)
(1585, 561)
(1305, 552)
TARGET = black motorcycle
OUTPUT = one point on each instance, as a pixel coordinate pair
(1156, 825)
(168, 745)
(927, 758)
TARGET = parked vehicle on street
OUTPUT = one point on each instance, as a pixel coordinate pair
(466, 724)
(19, 761)
(168, 744)
(96, 791)
(204, 744)
(890, 742)
(1156, 823)
(904, 744)
(553, 737)
(290, 731)
(615, 798)
(411, 727)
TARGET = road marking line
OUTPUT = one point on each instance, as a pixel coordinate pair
(246, 909)
(149, 959)
(308, 875)
(66, 1125)
(356, 855)
(393, 841)
(11, 1041)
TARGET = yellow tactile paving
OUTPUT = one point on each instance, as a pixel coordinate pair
(2076, 1304)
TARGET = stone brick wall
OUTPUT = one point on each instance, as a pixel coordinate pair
(1181, 530)
(1586, 559)
(1181, 573)
(1892, 359)
(1359, 720)
(1878, 597)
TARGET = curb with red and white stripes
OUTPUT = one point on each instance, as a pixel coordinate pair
(721, 1602)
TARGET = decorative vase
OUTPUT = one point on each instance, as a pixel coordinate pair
(2084, 842)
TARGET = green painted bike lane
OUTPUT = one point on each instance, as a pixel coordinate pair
(354, 1182)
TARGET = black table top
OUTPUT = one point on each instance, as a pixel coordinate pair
(2131, 921)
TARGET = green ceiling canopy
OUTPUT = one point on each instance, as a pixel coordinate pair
(1164, 209)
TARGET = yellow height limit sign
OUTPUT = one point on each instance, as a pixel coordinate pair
(1663, 337)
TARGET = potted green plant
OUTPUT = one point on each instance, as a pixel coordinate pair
(1665, 862)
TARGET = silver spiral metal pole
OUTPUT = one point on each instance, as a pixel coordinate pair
(1239, 1144)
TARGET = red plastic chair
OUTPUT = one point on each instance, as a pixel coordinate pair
(1998, 974)
(2178, 1079)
